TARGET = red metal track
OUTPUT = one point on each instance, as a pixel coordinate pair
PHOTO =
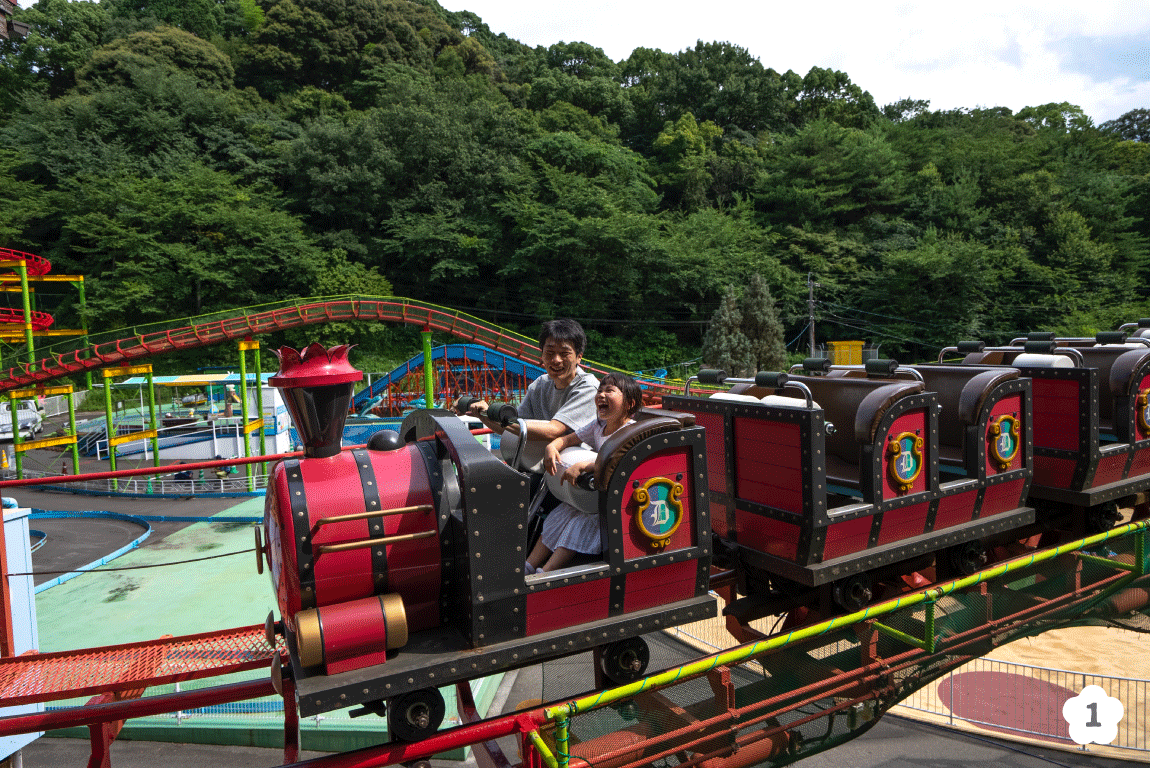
(12, 316)
(37, 266)
(388, 310)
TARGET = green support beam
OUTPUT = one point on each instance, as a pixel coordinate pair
(428, 371)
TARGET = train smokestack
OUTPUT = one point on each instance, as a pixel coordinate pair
(317, 387)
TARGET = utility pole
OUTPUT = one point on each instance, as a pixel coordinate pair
(811, 285)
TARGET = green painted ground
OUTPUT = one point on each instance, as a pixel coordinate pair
(111, 607)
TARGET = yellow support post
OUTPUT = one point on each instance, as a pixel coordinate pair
(249, 427)
(110, 373)
(152, 419)
(16, 450)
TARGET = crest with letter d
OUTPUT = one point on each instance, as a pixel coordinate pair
(1003, 440)
(659, 509)
(904, 460)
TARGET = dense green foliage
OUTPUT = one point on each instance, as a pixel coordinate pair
(189, 156)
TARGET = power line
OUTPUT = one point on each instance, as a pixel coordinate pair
(136, 567)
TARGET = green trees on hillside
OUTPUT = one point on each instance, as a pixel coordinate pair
(227, 153)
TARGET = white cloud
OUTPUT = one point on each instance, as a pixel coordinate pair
(982, 53)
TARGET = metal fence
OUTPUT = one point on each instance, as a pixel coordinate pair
(56, 405)
(1030, 696)
(1012, 699)
(156, 485)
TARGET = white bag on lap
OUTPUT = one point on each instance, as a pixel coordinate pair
(584, 500)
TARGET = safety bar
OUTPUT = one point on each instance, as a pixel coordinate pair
(1102, 337)
(1032, 346)
(1143, 322)
(366, 515)
(766, 379)
(324, 549)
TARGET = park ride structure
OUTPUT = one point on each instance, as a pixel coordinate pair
(459, 369)
(18, 270)
(116, 354)
(893, 500)
(985, 616)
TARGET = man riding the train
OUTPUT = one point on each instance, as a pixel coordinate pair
(555, 404)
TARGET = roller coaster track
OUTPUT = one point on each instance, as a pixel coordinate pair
(129, 345)
(36, 266)
(806, 690)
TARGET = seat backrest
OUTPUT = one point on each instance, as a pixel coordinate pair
(962, 391)
(855, 407)
(616, 446)
(1102, 359)
(684, 419)
(1124, 370)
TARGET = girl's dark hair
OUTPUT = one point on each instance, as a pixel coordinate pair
(564, 330)
(632, 392)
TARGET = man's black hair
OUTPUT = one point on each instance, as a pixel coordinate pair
(564, 330)
(632, 392)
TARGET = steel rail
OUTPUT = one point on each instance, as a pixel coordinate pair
(822, 628)
(305, 312)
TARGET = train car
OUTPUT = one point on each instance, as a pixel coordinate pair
(824, 482)
(1092, 420)
(402, 569)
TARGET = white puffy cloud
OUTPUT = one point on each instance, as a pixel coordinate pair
(1011, 53)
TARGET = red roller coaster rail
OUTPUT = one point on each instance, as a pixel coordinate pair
(37, 266)
(309, 312)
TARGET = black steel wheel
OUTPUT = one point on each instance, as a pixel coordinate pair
(1102, 517)
(416, 715)
(625, 661)
(966, 558)
(853, 593)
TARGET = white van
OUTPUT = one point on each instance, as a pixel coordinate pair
(28, 417)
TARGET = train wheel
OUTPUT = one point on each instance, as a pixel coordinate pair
(1101, 518)
(625, 661)
(966, 558)
(415, 716)
(853, 593)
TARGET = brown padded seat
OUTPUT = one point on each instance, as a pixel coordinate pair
(855, 407)
(992, 357)
(1114, 379)
(627, 437)
(962, 391)
(1124, 369)
(685, 419)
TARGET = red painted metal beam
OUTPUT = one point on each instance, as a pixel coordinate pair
(387, 310)
(455, 738)
(75, 717)
(164, 470)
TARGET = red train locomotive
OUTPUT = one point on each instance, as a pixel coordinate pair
(401, 570)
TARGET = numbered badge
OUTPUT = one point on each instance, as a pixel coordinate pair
(1093, 716)
(904, 460)
(1004, 440)
(659, 509)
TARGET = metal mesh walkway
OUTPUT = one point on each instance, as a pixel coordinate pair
(40, 677)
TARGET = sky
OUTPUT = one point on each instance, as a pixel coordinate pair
(982, 53)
